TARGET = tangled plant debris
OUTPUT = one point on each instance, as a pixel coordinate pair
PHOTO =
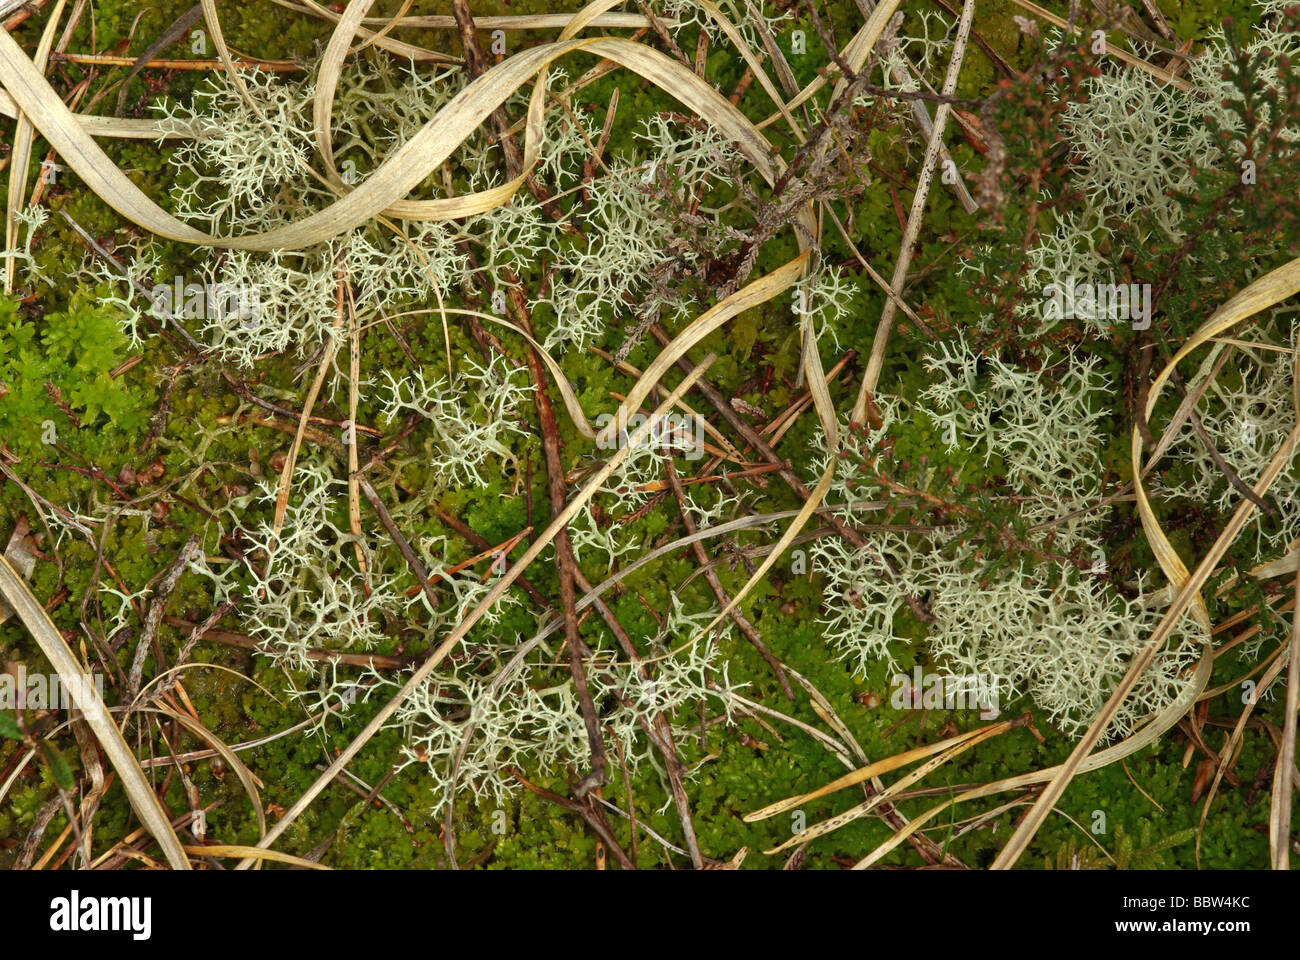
(334, 378)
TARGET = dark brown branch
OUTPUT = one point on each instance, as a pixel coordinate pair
(149, 637)
(661, 736)
(564, 559)
(587, 811)
(408, 554)
(226, 638)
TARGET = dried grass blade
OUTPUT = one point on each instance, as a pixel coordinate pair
(831, 824)
(401, 171)
(857, 776)
(21, 153)
(145, 802)
(255, 853)
(1163, 721)
(1272, 288)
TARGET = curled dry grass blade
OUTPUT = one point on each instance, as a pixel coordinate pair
(758, 292)
(1272, 288)
(381, 194)
(21, 153)
(1148, 735)
(403, 169)
(756, 66)
(952, 750)
(223, 53)
(246, 778)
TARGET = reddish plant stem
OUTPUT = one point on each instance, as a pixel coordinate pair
(565, 563)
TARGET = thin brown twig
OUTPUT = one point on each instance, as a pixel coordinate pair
(660, 736)
(229, 638)
(715, 584)
(566, 564)
(587, 811)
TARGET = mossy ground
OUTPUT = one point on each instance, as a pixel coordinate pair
(1145, 801)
